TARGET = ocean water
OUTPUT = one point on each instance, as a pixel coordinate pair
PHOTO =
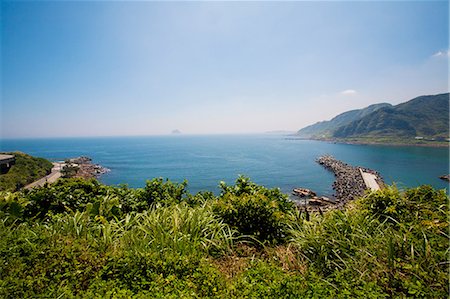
(270, 160)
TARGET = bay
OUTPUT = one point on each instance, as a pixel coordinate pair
(270, 160)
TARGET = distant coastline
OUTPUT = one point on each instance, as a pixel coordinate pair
(422, 121)
(375, 142)
(268, 160)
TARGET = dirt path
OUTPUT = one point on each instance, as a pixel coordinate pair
(50, 178)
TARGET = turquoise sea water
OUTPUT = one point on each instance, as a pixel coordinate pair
(274, 161)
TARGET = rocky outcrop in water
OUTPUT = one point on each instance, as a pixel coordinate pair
(85, 168)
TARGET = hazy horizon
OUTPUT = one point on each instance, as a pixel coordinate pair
(86, 69)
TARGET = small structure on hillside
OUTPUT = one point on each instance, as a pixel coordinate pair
(6, 161)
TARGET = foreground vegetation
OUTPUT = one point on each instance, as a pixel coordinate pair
(80, 238)
(26, 170)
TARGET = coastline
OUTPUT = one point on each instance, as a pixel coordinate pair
(80, 167)
(393, 143)
(83, 167)
(435, 144)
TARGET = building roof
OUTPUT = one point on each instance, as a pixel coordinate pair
(6, 157)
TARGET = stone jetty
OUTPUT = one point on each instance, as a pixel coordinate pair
(349, 183)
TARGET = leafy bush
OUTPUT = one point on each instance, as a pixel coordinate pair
(75, 194)
(417, 239)
(69, 170)
(163, 191)
(34, 260)
(11, 205)
(63, 196)
(255, 210)
(244, 186)
(415, 205)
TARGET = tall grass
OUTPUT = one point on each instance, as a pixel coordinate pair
(336, 240)
(398, 240)
(177, 228)
(180, 228)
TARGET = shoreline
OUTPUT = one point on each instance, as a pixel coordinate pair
(389, 144)
(82, 167)
(360, 142)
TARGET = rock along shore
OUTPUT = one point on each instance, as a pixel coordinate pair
(349, 183)
(85, 168)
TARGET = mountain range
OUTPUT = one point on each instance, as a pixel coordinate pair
(422, 117)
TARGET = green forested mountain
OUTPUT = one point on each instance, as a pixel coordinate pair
(326, 128)
(425, 116)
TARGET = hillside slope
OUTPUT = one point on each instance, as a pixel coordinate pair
(425, 116)
(326, 128)
(26, 170)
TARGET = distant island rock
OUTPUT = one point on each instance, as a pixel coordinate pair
(421, 119)
(176, 131)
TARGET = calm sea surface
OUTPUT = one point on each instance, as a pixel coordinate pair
(270, 160)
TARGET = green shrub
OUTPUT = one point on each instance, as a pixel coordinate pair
(255, 211)
(69, 170)
(12, 205)
(164, 275)
(244, 186)
(163, 191)
(63, 196)
(414, 205)
(76, 194)
(36, 262)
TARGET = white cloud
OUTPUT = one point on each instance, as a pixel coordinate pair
(348, 92)
(442, 54)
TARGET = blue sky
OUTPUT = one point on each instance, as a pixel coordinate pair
(143, 68)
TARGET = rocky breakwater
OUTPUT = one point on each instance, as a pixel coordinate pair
(349, 183)
(84, 168)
